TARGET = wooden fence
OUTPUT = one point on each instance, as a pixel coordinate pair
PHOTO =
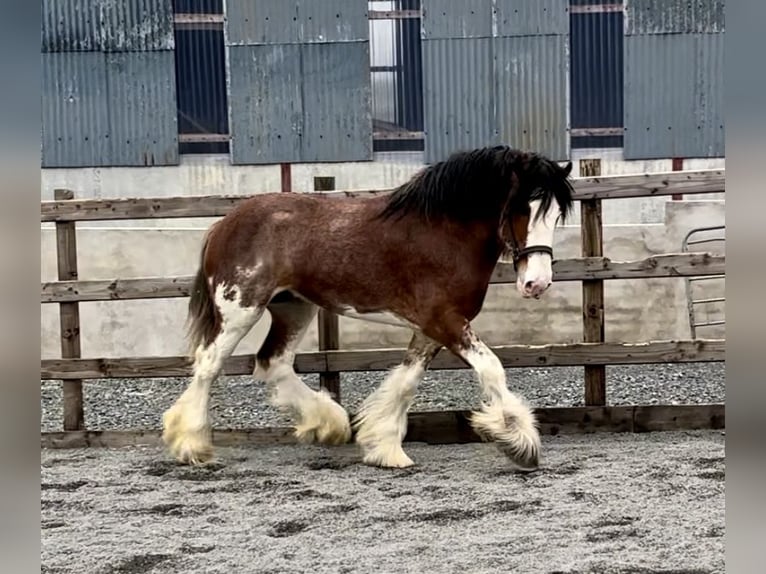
(592, 269)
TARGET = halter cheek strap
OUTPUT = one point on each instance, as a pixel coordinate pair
(517, 253)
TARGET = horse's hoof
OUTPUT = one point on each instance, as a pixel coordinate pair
(526, 459)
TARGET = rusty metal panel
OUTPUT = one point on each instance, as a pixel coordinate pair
(674, 16)
(674, 96)
(458, 96)
(255, 22)
(337, 106)
(443, 19)
(295, 103)
(508, 86)
(532, 17)
(265, 103)
(137, 25)
(75, 121)
(107, 25)
(532, 78)
(300, 87)
(113, 109)
(71, 26)
(142, 108)
(109, 93)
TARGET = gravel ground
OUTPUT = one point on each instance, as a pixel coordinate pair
(238, 402)
(604, 503)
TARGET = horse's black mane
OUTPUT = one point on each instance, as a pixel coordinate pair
(474, 184)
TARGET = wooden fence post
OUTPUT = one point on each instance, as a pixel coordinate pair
(591, 230)
(285, 177)
(678, 165)
(69, 315)
(327, 322)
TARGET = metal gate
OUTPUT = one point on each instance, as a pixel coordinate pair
(710, 235)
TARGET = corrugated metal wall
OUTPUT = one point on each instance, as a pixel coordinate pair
(299, 82)
(495, 71)
(291, 80)
(108, 83)
(674, 79)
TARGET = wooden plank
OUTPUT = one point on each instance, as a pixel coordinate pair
(512, 356)
(652, 418)
(451, 427)
(151, 437)
(189, 18)
(140, 208)
(117, 289)
(558, 355)
(622, 186)
(441, 427)
(329, 340)
(587, 419)
(655, 266)
(677, 165)
(593, 300)
(596, 8)
(392, 14)
(203, 138)
(670, 265)
(650, 184)
(584, 132)
(400, 135)
(327, 321)
(285, 178)
(152, 367)
(69, 317)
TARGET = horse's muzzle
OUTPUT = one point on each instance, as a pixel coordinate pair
(534, 289)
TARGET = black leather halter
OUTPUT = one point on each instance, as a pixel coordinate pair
(519, 253)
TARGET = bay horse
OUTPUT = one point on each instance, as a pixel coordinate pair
(423, 254)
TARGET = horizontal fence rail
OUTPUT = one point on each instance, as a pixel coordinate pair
(439, 427)
(556, 355)
(578, 269)
(621, 186)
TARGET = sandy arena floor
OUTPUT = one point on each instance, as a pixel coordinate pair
(651, 503)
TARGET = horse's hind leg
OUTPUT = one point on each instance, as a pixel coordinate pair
(317, 417)
(382, 420)
(186, 424)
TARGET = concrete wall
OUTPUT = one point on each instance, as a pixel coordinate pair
(213, 174)
(636, 310)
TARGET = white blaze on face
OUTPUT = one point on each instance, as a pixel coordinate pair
(535, 277)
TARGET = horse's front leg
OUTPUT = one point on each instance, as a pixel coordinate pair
(381, 422)
(504, 417)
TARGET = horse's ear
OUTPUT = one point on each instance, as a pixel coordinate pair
(567, 169)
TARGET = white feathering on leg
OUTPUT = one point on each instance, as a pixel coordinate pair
(186, 426)
(318, 417)
(382, 419)
(504, 418)
(514, 427)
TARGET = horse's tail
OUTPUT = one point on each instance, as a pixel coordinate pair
(203, 323)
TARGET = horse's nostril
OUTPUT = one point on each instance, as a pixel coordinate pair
(528, 285)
